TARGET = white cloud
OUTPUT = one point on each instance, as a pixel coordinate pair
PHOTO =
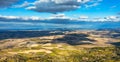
(83, 17)
(100, 19)
(64, 17)
(6, 3)
(108, 18)
(32, 18)
(51, 6)
(93, 3)
(22, 17)
(25, 4)
(111, 17)
(59, 16)
(55, 6)
(9, 17)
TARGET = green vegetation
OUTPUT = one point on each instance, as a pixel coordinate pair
(72, 47)
(97, 54)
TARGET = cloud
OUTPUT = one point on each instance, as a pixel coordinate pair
(31, 18)
(55, 6)
(93, 3)
(99, 19)
(83, 17)
(25, 4)
(21, 18)
(9, 17)
(111, 17)
(61, 17)
(6, 3)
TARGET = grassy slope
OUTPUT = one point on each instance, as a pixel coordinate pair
(42, 49)
(65, 53)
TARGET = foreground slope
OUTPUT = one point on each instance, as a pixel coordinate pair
(60, 46)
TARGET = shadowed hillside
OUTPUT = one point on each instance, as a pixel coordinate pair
(74, 39)
(25, 34)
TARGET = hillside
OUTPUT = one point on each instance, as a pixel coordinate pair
(60, 46)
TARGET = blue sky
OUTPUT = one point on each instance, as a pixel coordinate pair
(98, 8)
(50, 13)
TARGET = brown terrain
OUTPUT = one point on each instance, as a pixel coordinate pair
(45, 41)
(81, 38)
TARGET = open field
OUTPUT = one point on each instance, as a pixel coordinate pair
(60, 46)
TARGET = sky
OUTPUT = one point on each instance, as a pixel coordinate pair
(49, 14)
(68, 8)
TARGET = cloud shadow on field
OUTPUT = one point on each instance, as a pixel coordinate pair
(74, 39)
(25, 34)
